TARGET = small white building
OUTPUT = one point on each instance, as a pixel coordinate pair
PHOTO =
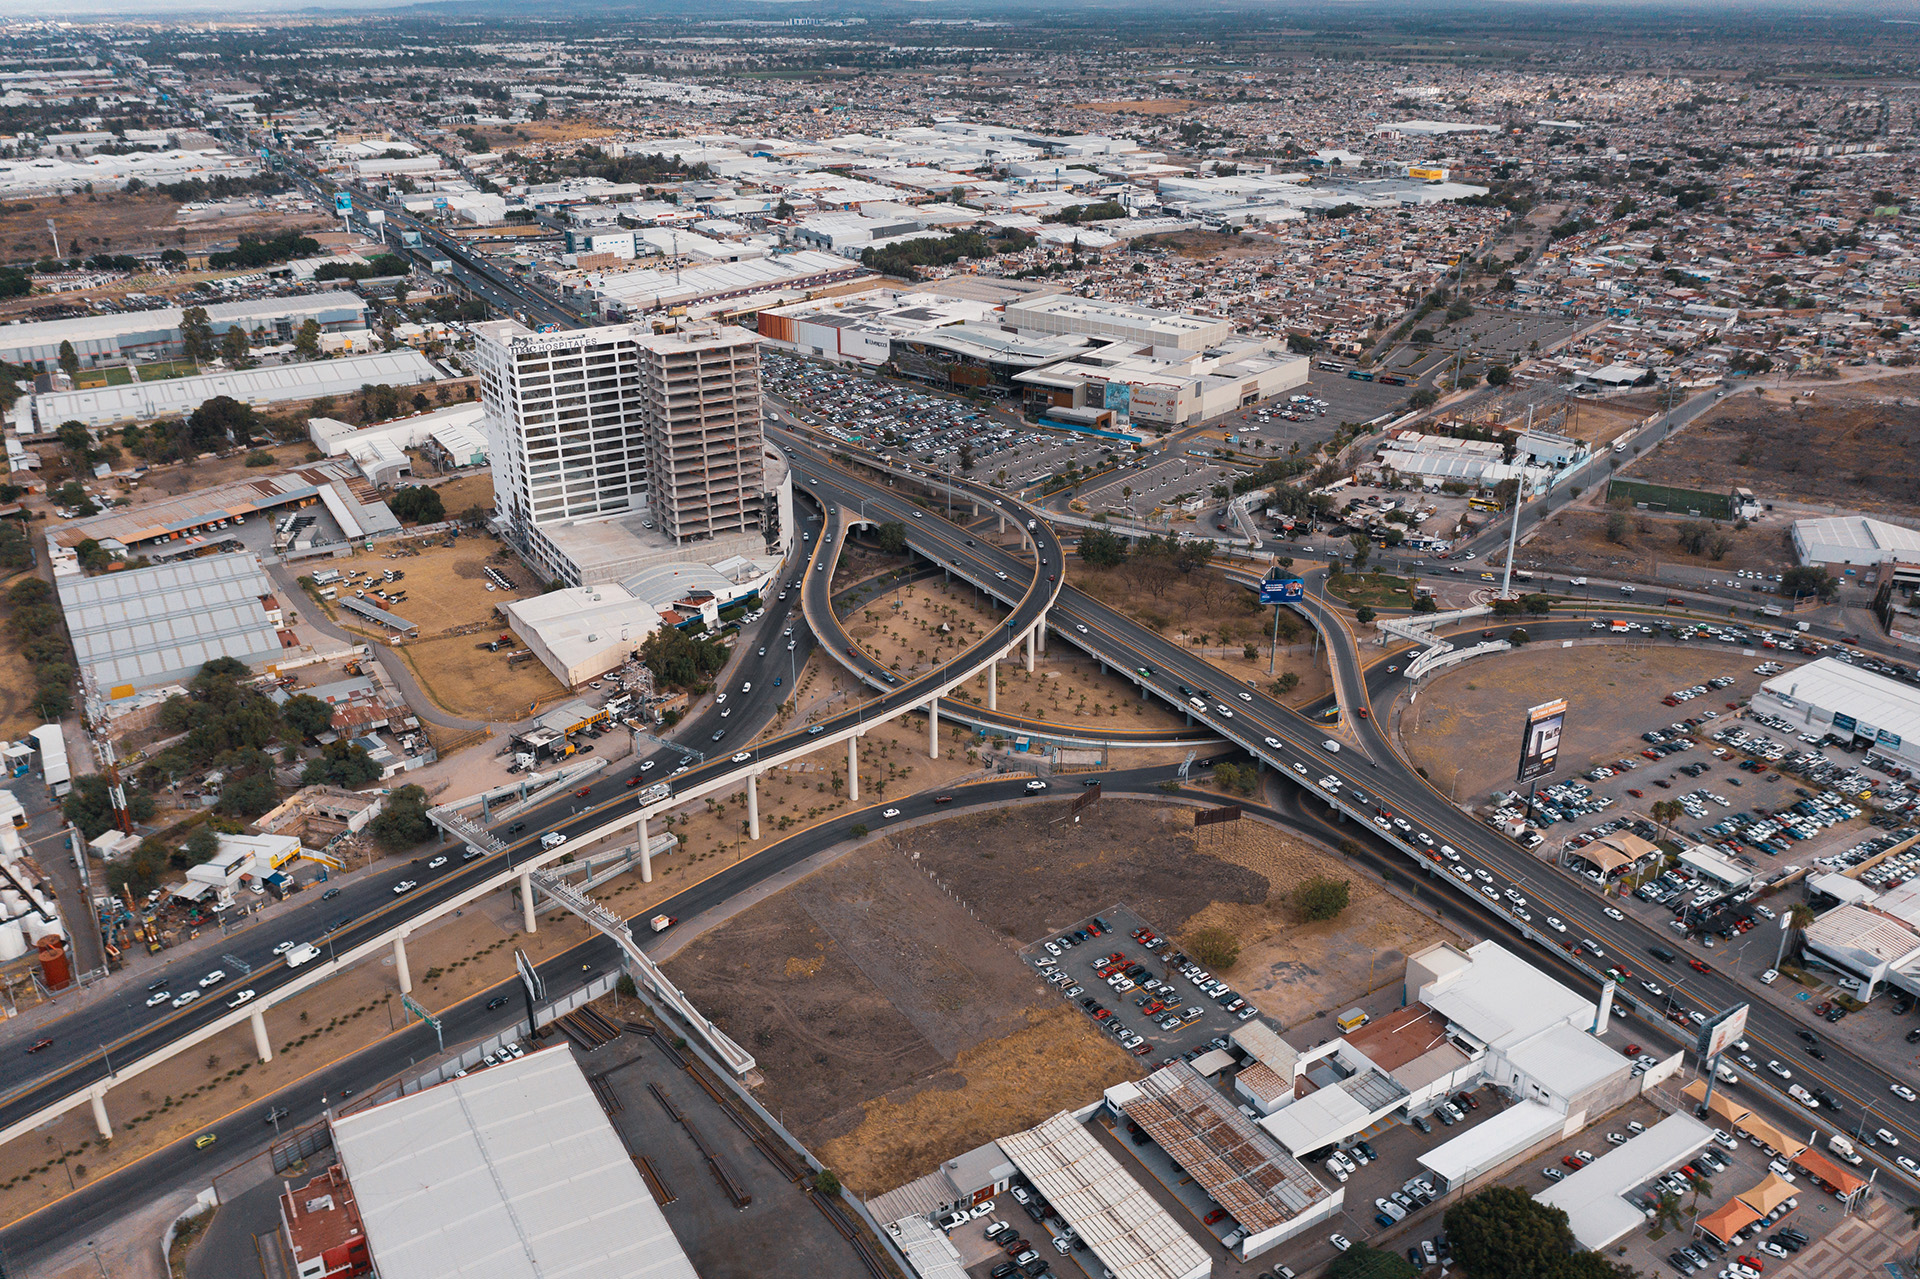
(582, 632)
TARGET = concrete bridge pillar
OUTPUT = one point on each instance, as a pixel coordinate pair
(527, 920)
(753, 806)
(853, 768)
(400, 965)
(1041, 627)
(261, 1044)
(100, 1120)
(646, 851)
(1030, 637)
(993, 685)
(933, 727)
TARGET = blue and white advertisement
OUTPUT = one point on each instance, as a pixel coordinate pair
(1119, 398)
(343, 202)
(1282, 590)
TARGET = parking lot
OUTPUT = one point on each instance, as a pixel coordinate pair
(1161, 484)
(1136, 990)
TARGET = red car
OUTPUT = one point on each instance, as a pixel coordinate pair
(1573, 1161)
(1700, 965)
(632, 782)
(1213, 1216)
(1363, 712)
(37, 1045)
(1635, 793)
(583, 792)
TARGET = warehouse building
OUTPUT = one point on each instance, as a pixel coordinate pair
(143, 627)
(1854, 542)
(1121, 1223)
(1594, 1198)
(512, 1172)
(1098, 317)
(1225, 1156)
(125, 336)
(582, 632)
(1858, 706)
(259, 387)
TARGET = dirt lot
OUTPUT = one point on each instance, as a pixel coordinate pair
(1294, 970)
(1214, 616)
(1853, 446)
(1575, 540)
(1613, 695)
(894, 1027)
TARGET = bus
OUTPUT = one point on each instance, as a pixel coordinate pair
(1360, 375)
(1393, 379)
(1484, 504)
(1522, 575)
(1331, 366)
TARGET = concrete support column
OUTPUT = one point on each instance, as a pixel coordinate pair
(1030, 636)
(933, 727)
(261, 1044)
(646, 851)
(1041, 627)
(400, 965)
(993, 685)
(1003, 521)
(526, 905)
(100, 1122)
(753, 806)
(853, 768)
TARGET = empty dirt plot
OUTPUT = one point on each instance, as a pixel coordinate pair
(1469, 720)
(1856, 446)
(1574, 540)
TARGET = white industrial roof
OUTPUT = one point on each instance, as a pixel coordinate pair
(268, 384)
(1715, 867)
(1572, 1060)
(512, 1172)
(88, 328)
(1502, 1000)
(1309, 1122)
(581, 622)
(1855, 539)
(1515, 1128)
(1591, 1197)
(144, 625)
(1874, 701)
(1124, 1225)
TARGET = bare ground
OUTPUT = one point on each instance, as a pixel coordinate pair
(1575, 540)
(1851, 445)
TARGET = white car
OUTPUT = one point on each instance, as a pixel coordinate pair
(1341, 1242)
(1331, 747)
(404, 886)
(1273, 743)
(1036, 784)
(1779, 1070)
(1769, 977)
(240, 998)
(284, 947)
(1246, 697)
(1300, 769)
(1553, 922)
(645, 765)
(1078, 627)
(1611, 913)
(742, 757)
(1901, 1091)
(437, 863)
(1908, 1164)
(213, 978)
(181, 1001)
(891, 812)
(161, 998)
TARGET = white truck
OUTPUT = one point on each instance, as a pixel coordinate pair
(1842, 1147)
(300, 954)
(660, 923)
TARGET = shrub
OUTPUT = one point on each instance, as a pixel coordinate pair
(1215, 947)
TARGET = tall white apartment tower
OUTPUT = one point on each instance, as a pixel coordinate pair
(609, 443)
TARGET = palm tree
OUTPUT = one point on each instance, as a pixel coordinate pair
(1664, 811)
(1799, 918)
(1699, 1186)
(1666, 1211)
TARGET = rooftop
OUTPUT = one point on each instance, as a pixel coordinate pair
(508, 1173)
(1859, 533)
(1592, 1198)
(1877, 704)
(1124, 1225)
(143, 626)
(268, 384)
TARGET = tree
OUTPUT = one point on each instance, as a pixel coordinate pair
(221, 420)
(1425, 604)
(417, 504)
(1102, 548)
(1499, 375)
(1322, 897)
(403, 823)
(1517, 636)
(306, 343)
(307, 715)
(1423, 398)
(1666, 1211)
(90, 807)
(966, 456)
(341, 764)
(1504, 607)
(196, 334)
(1363, 1261)
(233, 344)
(1717, 547)
(1808, 579)
(1501, 1232)
(1364, 615)
(892, 537)
(248, 796)
(1215, 947)
(1536, 604)
(680, 660)
(1362, 547)
(1617, 527)
(69, 358)
(200, 847)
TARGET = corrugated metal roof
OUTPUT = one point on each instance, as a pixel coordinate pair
(1874, 701)
(1241, 1166)
(143, 625)
(267, 384)
(1124, 1225)
(512, 1172)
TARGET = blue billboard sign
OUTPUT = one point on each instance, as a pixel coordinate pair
(1282, 590)
(343, 202)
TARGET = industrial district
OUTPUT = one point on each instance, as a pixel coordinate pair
(960, 643)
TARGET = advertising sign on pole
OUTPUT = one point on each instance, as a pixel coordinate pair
(1540, 748)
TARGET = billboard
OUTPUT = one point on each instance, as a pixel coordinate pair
(1721, 1032)
(536, 986)
(1540, 748)
(342, 202)
(1118, 397)
(1282, 590)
